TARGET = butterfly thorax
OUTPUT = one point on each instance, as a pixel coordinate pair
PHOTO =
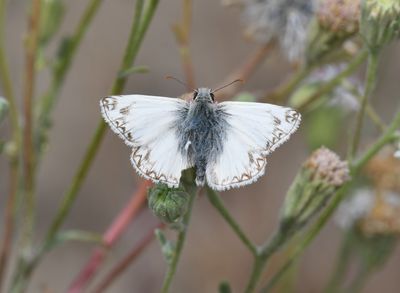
(201, 134)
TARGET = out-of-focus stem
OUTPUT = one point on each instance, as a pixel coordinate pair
(117, 271)
(182, 36)
(369, 87)
(244, 71)
(329, 86)
(29, 89)
(113, 233)
(284, 90)
(9, 218)
(47, 102)
(142, 19)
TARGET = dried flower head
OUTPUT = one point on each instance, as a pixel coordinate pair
(339, 16)
(327, 166)
(320, 176)
(384, 171)
(284, 20)
(370, 212)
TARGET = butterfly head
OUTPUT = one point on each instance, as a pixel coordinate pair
(203, 95)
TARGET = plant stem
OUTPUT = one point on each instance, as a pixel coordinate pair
(285, 89)
(244, 71)
(14, 166)
(329, 86)
(216, 201)
(369, 87)
(263, 255)
(113, 233)
(139, 27)
(179, 245)
(127, 260)
(182, 36)
(387, 137)
(60, 70)
(28, 153)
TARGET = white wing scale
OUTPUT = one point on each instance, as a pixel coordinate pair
(255, 130)
(146, 123)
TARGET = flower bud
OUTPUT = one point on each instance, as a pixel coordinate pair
(168, 204)
(320, 176)
(3, 108)
(380, 22)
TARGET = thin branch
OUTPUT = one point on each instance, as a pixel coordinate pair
(329, 86)
(179, 245)
(111, 236)
(29, 89)
(182, 35)
(216, 201)
(244, 71)
(284, 90)
(9, 216)
(47, 102)
(140, 25)
(120, 268)
(369, 87)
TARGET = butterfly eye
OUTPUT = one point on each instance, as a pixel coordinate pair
(195, 93)
(212, 96)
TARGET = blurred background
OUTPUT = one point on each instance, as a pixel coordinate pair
(212, 252)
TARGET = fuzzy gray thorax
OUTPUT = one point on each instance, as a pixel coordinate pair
(201, 132)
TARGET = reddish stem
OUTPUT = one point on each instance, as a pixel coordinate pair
(113, 233)
(127, 260)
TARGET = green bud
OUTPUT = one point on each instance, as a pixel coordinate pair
(320, 176)
(380, 22)
(3, 108)
(168, 204)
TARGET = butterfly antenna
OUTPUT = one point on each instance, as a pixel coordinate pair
(178, 80)
(222, 87)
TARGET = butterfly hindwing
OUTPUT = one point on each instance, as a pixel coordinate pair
(254, 131)
(148, 125)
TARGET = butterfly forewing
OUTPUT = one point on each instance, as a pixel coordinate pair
(254, 130)
(148, 125)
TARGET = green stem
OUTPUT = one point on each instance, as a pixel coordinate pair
(329, 86)
(28, 95)
(6, 83)
(139, 27)
(387, 137)
(359, 280)
(60, 70)
(179, 245)
(341, 268)
(284, 90)
(216, 201)
(263, 255)
(369, 87)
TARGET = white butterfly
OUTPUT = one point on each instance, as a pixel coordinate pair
(226, 142)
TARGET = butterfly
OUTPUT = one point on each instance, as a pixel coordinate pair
(226, 142)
